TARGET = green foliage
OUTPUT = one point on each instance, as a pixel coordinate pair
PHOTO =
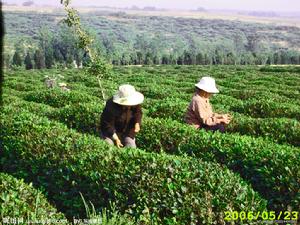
(244, 155)
(282, 130)
(99, 68)
(280, 69)
(272, 169)
(39, 59)
(22, 201)
(49, 58)
(173, 108)
(151, 187)
(65, 2)
(28, 62)
(128, 39)
(57, 98)
(17, 60)
(22, 87)
(73, 20)
(107, 217)
(64, 163)
(84, 117)
(262, 108)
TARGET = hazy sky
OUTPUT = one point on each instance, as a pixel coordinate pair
(262, 5)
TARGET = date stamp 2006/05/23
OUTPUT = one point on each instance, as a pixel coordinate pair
(267, 217)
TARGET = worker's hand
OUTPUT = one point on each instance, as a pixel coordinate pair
(226, 118)
(117, 140)
(119, 143)
(137, 128)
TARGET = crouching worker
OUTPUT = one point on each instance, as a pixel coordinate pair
(63, 87)
(121, 118)
(199, 113)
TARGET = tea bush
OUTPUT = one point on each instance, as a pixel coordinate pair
(57, 98)
(158, 187)
(272, 169)
(62, 162)
(84, 117)
(281, 130)
(20, 200)
(245, 155)
(264, 108)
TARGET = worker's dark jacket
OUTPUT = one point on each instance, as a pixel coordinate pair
(117, 119)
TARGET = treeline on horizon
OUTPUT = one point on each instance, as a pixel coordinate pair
(41, 41)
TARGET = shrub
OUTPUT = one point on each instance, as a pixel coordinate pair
(246, 155)
(22, 201)
(107, 217)
(280, 69)
(173, 108)
(263, 108)
(12, 92)
(161, 188)
(272, 169)
(23, 86)
(83, 116)
(57, 98)
(89, 81)
(282, 130)
(38, 108)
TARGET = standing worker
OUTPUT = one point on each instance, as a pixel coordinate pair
(200, 114)
(121, 118)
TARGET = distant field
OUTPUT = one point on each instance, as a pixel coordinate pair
(172, 13)
(153, 37)
(224, 16)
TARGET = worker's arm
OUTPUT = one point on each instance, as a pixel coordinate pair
(205, 115)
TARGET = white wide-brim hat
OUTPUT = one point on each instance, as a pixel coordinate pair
(127, 95)
(62, 84)
(207, 84)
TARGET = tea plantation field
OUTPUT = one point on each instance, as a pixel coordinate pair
(178, 175)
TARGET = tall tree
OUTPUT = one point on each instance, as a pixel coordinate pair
(28, 62)
(295, 59)
(133, 58)
(270, 60)
(47, 46)
(277, 58)
(252, 44)
(200, 59)
(1, 51)
(140, 59)
(17, 60)
(148, 58)
(49, 58)
(180, 60)
(165, 60)
(39, 59)
(125, 59)
(230, 59)
(6, 60)
(187, 58)
(218, 57)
